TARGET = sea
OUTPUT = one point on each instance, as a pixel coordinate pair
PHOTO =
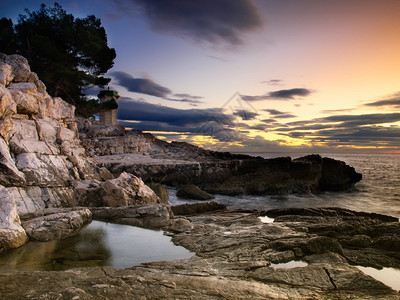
(378, 191)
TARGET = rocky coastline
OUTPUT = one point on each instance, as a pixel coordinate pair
(57, 173)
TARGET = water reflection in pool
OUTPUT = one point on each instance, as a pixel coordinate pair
(389, 276)
(99, 244)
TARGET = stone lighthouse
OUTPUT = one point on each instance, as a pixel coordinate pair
(108, 115)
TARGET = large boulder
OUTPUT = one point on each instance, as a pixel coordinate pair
(57, 224)
(125, 190)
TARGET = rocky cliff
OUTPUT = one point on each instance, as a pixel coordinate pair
(42, 162)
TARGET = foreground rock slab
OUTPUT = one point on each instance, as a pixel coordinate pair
(234, 252)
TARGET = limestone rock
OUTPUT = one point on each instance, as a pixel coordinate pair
(160, 190)
(45, 170)
(19, 65)
(56, 108)
(6, 75)
(8, 108)
(190, 191)
(125, 190)
(12, 235)
(9, 175)
(154, 216)
(56, 225)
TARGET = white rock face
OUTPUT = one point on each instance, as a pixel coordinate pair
(12, 235)
(10, 174)
(42, 160)
(125, 190)
(57, 225)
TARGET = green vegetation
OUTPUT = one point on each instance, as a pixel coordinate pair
(68, 53)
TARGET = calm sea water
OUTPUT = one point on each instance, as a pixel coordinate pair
(378, 191)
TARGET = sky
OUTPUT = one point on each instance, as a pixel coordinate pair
(253, 76)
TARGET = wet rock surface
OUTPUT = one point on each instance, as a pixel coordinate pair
(190, 191)
(234, 251)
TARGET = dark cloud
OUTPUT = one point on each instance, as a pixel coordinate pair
(186, 98)
(274, 112)
(130, 109)
(268, 120)
(140, 85)
(245, 114)
(390, 101)
(366, 119)
(290, 94)
(279, 114)
(213, 21)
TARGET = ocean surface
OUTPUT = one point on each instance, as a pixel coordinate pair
(378, 191)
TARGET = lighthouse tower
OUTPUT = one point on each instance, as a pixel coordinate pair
(108, 116)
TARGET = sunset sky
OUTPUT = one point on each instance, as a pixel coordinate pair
(256, 76)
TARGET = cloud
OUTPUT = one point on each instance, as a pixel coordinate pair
(186, 98)
(290, 94)
(212, 21)
(130, 109)
(140, 85)
(149, 87)
(279, 114)
(273, 82)
(245, 114)
(274, 112)
(390, 101)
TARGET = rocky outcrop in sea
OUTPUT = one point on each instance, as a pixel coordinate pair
(180, 164)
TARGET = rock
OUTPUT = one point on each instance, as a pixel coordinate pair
(8, 108)
(197, 208)
(337, 176)
(42, 170)
(232, 261)
(12, 235)
(190, 191)
(154, 216)
(125, 190)
(57, 224)
(9, 175)
(25, 96)
(20, 67)
(160, 190)
(6, 75)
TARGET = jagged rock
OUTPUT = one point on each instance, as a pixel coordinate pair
(337, 176)
(12, 235)
(57, 224)
(160, 190)
(9, 175)
(42, 170)
(21, 70)
(8, 108)
(190, 191)
(6, 75)
(197, 208)
(125, 190)
(154, 216)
